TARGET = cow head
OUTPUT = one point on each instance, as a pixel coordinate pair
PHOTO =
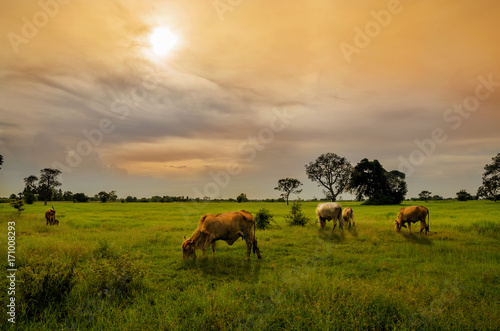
(188, 249)
(398, 225)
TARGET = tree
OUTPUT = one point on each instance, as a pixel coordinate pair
(103, 196)
(80, 197)
(425, 195)
(113, 196)
(47, 183)
(463, 195)
(30, 184)
(330, 171)
(491, 180)
(288, 186)
(1, 160)
(242, 198)
(369, 179)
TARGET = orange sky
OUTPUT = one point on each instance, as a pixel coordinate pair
(175, 122)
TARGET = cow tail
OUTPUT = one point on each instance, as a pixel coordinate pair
(254, 236)
(428, 219)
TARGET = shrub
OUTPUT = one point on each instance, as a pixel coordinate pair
(18, 204)
(296, 216)
(29, 198)
(113, 277)
(263, 219)
(44, 283)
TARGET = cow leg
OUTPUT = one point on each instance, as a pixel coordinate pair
(409, 226)
(213, 249)
(334, 224)
(322, 222)
(249, 249)
(256, 248)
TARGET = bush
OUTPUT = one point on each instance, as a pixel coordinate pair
(296, 216)
(18, 204)
(263, 219)
(29, 198)
(44, 283)
(109, 278)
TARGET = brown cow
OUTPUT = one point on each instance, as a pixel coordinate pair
(226, 226)
(347, 216)
(50, 216)
(412, 215)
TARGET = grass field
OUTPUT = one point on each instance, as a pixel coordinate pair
(116, 266)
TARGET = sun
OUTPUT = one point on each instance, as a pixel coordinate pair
(162, 41)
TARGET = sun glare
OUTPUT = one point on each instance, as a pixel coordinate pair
(162, 41)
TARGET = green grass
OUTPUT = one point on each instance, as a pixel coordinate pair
(119, 266)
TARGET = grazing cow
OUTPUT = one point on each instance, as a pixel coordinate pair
(347, 216)
(329, 211)
(50, 216)
(412, 215)
(226, 226)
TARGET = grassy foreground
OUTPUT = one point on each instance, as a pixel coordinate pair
(117, 266)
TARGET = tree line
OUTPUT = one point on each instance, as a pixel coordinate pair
(368, 181)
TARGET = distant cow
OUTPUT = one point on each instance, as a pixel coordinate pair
(329, 211)
(347, 216)
(226, 226)
(50, 216)
(412, 215)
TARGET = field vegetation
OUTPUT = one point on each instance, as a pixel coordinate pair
(118, 266)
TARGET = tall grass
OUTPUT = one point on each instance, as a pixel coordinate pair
(119, 266)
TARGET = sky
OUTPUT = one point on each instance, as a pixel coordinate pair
(250, 92)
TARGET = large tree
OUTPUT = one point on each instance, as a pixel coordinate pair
(491, 180)
(30, 184)
(331, 172)
(288, 186)
(370, 180)
(48, 183)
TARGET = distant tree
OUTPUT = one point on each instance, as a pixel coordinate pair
(396, 186)
(463, 195)
(425, 195)
(242, 198)
(330, 171)
(13, 196)
(112, 196)
(47, 183)
(80, 197)
(491, 180)
(30, 184)
(437, 197)
(68, 196)
(1, 160)
(369, 179)
(103, 196)
(29, 198)
(288, 186)
(130, 199)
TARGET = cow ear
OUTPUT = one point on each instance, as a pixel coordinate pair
(184, 237)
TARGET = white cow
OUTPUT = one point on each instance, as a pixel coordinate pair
(329, 211)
